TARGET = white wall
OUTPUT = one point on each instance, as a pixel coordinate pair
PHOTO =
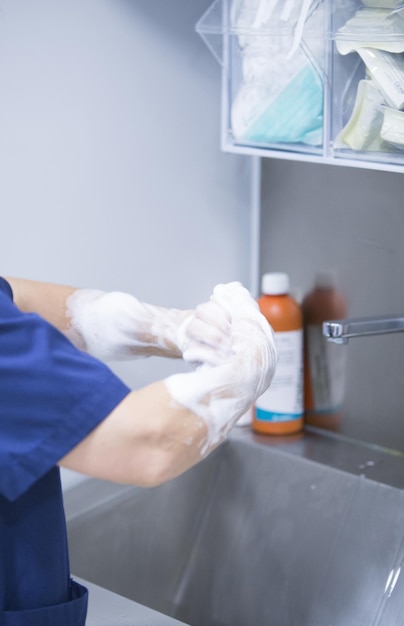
(111, 174)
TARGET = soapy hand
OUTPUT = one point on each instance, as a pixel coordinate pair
(236, 364)
(204, 337)
(252, 337)
(227, 339)
(117, 326)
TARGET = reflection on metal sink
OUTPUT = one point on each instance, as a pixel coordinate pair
(252, 536)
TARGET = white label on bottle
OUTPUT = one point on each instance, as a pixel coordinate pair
(283, 401)
(327, 364)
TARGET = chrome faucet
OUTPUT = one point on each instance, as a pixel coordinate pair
(340, 331)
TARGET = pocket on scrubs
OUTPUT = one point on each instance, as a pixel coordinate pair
(72, 613)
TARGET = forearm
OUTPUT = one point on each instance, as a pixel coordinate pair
(108, 325)
(158, 432)
(117, 326)
(147, 440)
(162, 430)
(46, 299)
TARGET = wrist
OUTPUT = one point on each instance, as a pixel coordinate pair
(117, 326)
(219, 395)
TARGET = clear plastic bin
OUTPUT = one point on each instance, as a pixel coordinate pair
(296, 82)
(368, 82)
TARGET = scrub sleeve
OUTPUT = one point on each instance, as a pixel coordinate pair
(51, 396)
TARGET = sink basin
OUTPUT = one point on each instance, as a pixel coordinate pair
(252, 536)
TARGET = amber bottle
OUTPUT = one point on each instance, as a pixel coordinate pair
(324, 362)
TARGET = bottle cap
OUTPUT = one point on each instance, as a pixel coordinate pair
(275, 284)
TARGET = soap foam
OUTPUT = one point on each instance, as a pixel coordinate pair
(222, 393)
(117, 326)
(227, 340)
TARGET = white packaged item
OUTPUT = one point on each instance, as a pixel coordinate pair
(252, 17)
(392, 129)
(378, 28)
(362, 132)
(387, 70)
(388, 4)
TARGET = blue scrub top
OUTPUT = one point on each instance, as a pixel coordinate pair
(51, 396)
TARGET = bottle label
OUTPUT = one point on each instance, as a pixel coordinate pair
(327, 364)
(283, 401)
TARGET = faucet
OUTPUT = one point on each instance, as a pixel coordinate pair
(340, 331)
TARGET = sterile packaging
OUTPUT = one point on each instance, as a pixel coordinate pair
(368, 78)
(392, 129)
(388, 4)
(372, 28)
(309, 79)
(387, 70)
(362, 132)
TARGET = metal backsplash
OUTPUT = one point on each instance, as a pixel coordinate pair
(322, 217)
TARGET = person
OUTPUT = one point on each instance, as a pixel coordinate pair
(62, 406)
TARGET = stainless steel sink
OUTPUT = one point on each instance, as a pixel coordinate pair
(256, 535)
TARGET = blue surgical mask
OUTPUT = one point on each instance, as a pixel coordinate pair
(294, 116)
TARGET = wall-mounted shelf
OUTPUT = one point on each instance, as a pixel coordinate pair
(298, 87)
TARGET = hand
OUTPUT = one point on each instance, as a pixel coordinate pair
(236, 353)
(205, 337)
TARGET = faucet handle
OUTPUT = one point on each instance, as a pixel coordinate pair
(340, 331)
(334, 331)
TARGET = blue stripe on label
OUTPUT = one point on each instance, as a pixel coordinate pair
(268, 416)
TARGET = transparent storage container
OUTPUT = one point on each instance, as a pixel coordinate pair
(312, 80)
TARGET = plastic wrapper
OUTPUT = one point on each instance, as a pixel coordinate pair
(372, 28)
(280, 98)
(362, 132)
(392, 130)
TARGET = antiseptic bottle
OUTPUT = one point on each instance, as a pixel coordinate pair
(324, 364)
(279, 411)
